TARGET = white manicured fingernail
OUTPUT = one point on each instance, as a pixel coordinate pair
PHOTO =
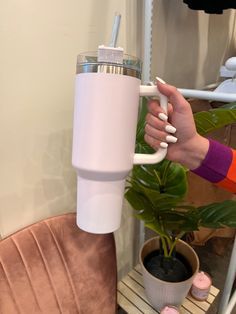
(170, 129)
(163, 116)
(163, 145)
(171, 139)
(160, 80)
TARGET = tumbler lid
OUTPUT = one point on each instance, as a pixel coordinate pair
(88, 63)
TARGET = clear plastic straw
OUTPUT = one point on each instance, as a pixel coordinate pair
(115, 30)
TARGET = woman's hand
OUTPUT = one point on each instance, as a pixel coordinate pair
(179, 133)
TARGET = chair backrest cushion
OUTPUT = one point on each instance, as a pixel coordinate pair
(54, 267)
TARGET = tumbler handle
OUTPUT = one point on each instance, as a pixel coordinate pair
(160, 154)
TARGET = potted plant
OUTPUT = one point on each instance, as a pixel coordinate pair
(157, 194)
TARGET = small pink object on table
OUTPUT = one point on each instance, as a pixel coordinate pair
(170, 310)
(201, 286)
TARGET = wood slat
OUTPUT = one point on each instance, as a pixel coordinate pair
(202, 304)
(138, 268)
(214, 291)
(191, 307)
(136, 287)
(135, 299)
(126, 305)
(210, 298)
(184, 311)
(136, 276)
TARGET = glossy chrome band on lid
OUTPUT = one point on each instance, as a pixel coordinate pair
(107, 68)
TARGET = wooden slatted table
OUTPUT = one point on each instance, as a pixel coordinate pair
(131, 297)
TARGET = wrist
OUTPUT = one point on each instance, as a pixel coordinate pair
(194, 151)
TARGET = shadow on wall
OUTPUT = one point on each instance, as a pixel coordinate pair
(182, 47)
(49, 182)
(57, 188)
(190, 46)
(175, 42)
(220, 43)
(98, 23)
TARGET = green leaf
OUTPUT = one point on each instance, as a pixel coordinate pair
(154, 226)
(174, 183)
(208, 121)
(180, 221)
(137, 200)
(218, 215)
(231, 105)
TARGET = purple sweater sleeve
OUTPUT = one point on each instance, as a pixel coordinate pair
(216, 164)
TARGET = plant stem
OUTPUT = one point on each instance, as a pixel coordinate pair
(168, 240)
(165, 237)
(158, 178)
(164, 246)
(164, 177)
(179, 236)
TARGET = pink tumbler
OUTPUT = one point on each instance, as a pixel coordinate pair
(104, 132)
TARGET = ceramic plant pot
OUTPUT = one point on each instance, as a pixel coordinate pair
(161, 293)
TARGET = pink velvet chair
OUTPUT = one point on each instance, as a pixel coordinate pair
(53, 267)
